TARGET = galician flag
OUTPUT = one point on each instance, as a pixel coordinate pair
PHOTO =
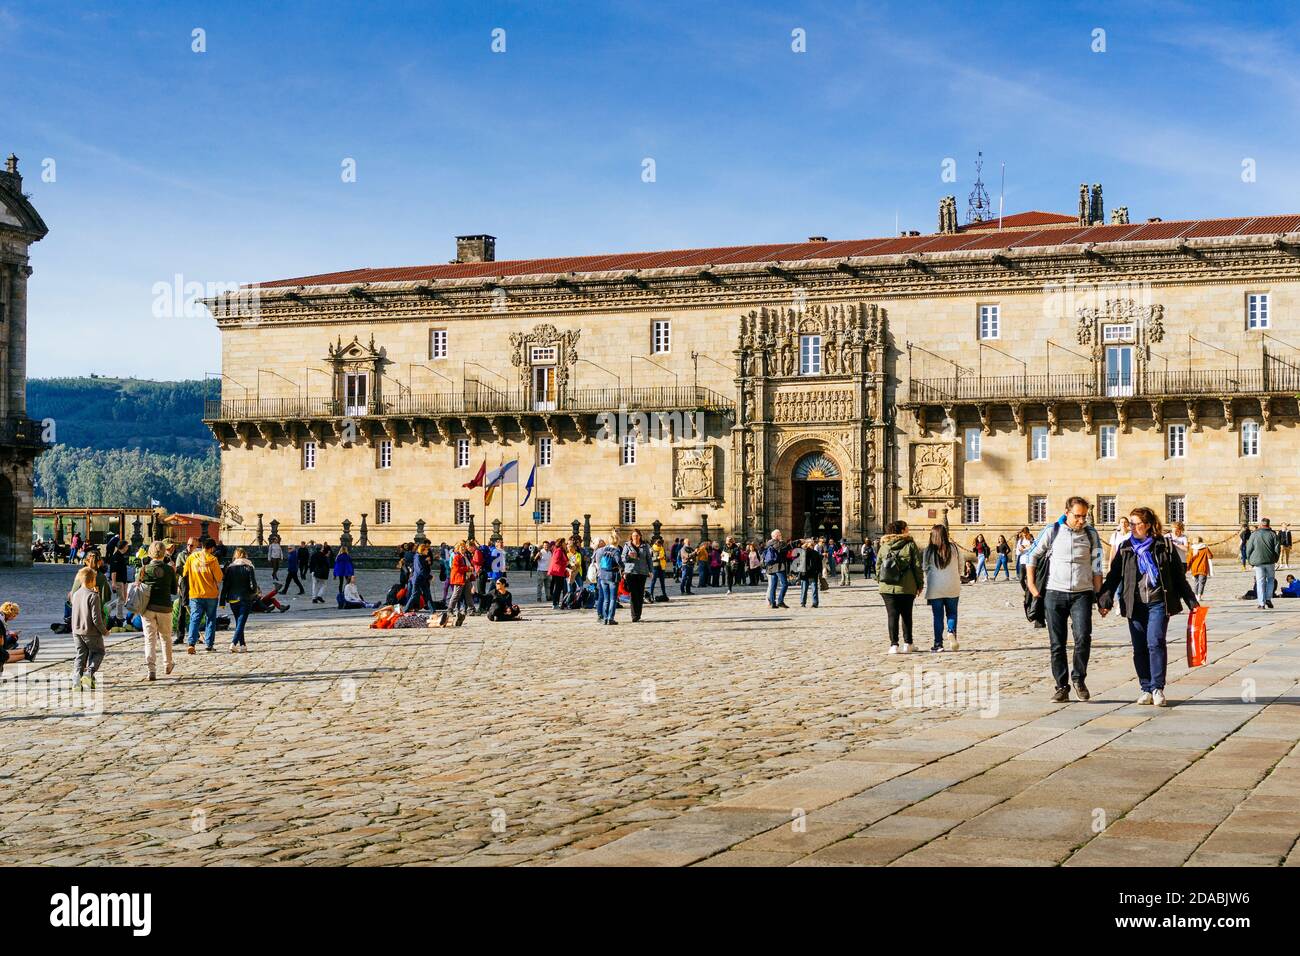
(505, 475)
(529, 487)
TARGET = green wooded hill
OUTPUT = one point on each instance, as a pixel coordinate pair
(121, 442)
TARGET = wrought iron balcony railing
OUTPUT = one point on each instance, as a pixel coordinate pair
(482, 401)
(22, 432)
(1273, 378)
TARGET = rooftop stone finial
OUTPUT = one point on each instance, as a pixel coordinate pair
(11, 164)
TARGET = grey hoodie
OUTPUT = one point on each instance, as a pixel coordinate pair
(88, 614)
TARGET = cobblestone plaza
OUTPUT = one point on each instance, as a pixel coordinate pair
(714, 732)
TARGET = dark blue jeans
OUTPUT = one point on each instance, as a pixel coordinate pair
(1065, 609)
(941, 608)
(1147, 626)
(240, 610)
(416, 589)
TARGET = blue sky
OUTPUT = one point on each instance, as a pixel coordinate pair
(225, 166)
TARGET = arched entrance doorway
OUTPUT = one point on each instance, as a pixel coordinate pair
(817, 501)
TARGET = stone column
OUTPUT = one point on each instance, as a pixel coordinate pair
(260, 535)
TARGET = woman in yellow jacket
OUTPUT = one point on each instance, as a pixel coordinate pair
(658, 567)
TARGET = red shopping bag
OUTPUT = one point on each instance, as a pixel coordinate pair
(1197, 637)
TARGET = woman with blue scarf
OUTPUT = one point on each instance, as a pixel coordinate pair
(1148, 576)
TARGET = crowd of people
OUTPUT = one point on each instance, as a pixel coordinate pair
(1064, 571)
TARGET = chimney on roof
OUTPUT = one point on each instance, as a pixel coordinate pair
(1091, 210)
(948, 214)
(816, 238)
(1096, 211)
(11, 173)
(1154, 219)
(1119, 216)
(480, 248)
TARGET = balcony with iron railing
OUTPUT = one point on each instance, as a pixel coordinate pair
(1274, 377)
(480, 401)
(22, 433)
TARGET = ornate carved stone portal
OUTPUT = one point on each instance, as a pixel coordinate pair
(811, 382)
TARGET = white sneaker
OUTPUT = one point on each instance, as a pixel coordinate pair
(907, 649)
(1158, 698)
(1144, 697)
(893, 648)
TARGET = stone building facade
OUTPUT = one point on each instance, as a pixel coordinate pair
(20, 437)
(986, 371)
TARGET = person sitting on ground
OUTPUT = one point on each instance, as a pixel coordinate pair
(267, 602)
(503, 607)
(1292, 589)
(351, 598)
(8, 611)
(12, 653)
(968, 572)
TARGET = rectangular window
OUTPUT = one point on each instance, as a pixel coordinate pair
(1106, 441)
(990, 322)
(309, 455)
(629, 449)
(810, 355)
(1116, 333)
(383, 512)
(462, 452)
(627, 511)
(1177, 441)
(1106, 509)
(545, 451)
(1037, 509)
(970, 510)
(544, 354)
(462, 511)
(1257, 310)
(437, 343)
(544, 510)
(1038, 443)
(385, 459)
(972, 444)
(1250, 509)
(1175, 508)
(1250, 438)
(308, 512)
(661, 336)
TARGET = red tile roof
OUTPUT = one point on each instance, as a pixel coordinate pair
(1019, 220)
(984, 238)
